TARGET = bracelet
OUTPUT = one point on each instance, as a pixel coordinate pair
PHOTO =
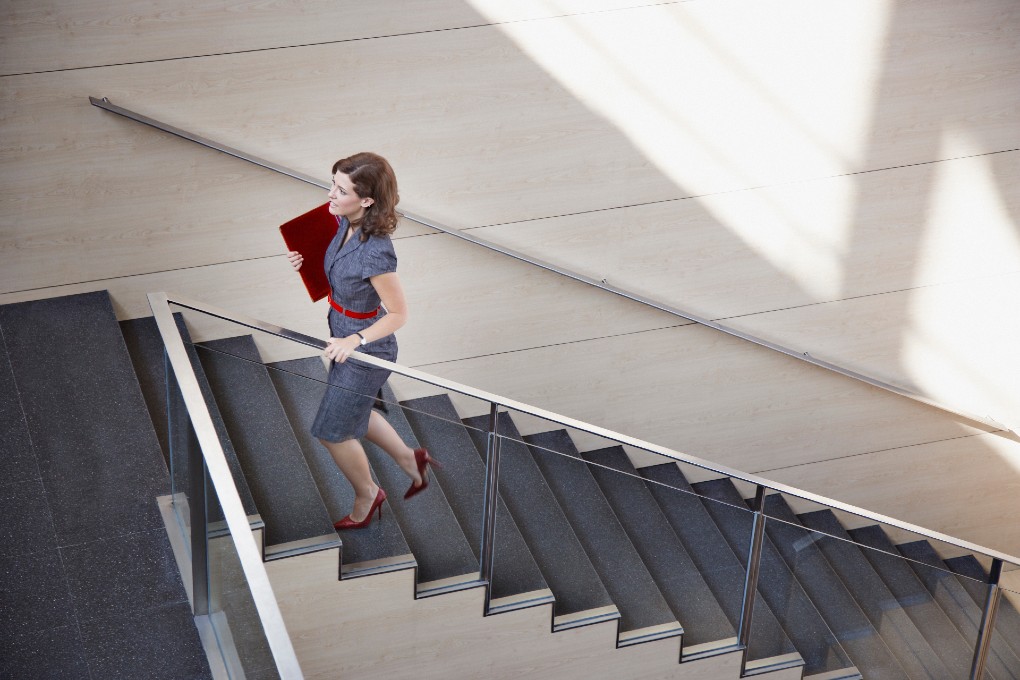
(364, 340)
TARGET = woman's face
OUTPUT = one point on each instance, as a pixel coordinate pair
(343, 201)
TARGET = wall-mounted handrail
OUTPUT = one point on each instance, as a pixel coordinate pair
(453, 386)
(105, 103)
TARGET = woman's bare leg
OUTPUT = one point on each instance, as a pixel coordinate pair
(350, 457)
(382, 434)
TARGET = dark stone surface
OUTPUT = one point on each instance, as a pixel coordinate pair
(973, 578)
(905, 641)
(564, 564)
(958, 605)
(123, 573)
(51, 654)
(273, 463)
(17, 460)
(146, 350)
(661, 550)
(912, 597)
(776, 583)
(299, 384)
(26, 524)
(852, 628)
(427, 521)
(98, 454)
(631, 587)
(33, 594)
(437, 425)
(154, 644)
(715, 560)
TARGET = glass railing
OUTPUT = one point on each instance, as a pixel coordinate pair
(544, 509)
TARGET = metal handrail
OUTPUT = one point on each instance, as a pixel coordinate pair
(106, 104)
(415, 374)
(236, 518)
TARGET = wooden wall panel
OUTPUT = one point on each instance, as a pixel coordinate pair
(48, 34)
(709, 395)
(966, 488)
(954, 342)
(784, 246)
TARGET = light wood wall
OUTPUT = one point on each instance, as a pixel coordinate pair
(835, 178)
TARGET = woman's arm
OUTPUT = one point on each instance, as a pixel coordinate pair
(392, 295)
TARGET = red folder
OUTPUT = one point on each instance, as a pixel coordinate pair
(310, 235)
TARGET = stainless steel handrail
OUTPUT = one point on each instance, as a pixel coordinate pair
(996, 426)
(233, 510)
(272, 329)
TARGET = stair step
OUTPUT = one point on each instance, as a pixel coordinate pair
(79, 393)
(427, 521)
(632, 589)
(914, 599)
(378, 547)
(266, 446)
(844, 616)
(905, 641)
(146, 349)
(689, 597)
(716, 561)
(975, 578)
(776, 583)
(581, 597)
(515, 573)
(958, 605)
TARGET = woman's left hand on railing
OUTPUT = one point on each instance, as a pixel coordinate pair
(339, 349)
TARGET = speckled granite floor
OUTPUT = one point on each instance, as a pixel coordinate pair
(88, 583)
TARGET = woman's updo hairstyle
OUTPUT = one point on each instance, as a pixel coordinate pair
(373, 178)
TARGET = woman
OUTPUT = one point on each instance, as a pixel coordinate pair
(366, 307)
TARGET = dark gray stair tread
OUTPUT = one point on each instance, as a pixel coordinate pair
(17, 462)
(273, 463)
(79, 393)
(567, 569)
(670, 565)
(299, 384)
(146, 349)
(915, 599)
(429, 525)
(776, 583)
(437, 425)
(177, 436)
(630, 585)
(974, 579)
(958, 605)
(715, 560)
(843, 614)
(913, 651)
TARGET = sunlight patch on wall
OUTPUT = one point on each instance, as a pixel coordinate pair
(969, 229)
(730, 95)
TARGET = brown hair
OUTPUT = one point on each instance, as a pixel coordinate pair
(373, 178)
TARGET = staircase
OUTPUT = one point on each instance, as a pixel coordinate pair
(601, 569)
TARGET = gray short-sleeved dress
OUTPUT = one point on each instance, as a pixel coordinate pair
(353, 386)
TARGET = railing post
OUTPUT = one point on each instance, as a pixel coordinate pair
(491, 495)
(984, 638)
(199, 524)
(751, 577)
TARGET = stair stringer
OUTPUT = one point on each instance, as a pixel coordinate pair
(375, 626)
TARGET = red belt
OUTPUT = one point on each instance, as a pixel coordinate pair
(348, 312)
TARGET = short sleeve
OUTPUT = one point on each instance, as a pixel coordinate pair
(380, 258)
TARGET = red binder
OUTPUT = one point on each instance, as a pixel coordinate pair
(310, 235)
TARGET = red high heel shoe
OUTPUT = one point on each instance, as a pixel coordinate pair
(423, 459)
(348, 523)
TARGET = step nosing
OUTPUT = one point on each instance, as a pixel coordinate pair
(586, 617)
(378, 566)
(649, 634)
(302, 546)
(449, 585)
(533, 598)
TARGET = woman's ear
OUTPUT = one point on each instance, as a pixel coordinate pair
(367, 202)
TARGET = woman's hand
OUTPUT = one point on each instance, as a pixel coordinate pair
(339, 349)
(296, 259)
